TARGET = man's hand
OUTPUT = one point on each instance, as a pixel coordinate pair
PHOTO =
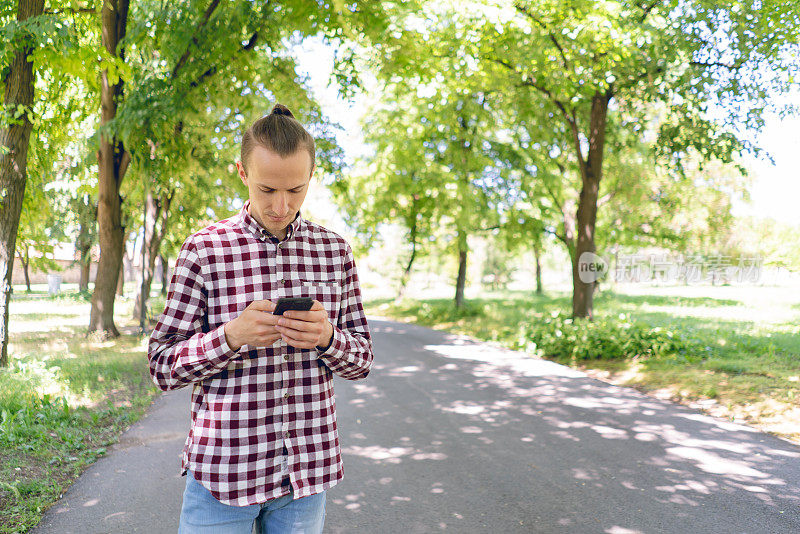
(306, 329)
(255, 326)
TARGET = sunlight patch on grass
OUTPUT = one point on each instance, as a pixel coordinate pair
(37, 316)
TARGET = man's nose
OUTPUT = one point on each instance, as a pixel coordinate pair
(280, 204)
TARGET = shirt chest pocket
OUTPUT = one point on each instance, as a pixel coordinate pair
(327, 291)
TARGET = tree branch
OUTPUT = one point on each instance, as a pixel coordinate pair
(207, 74)
(251, 42)
(602, 201)
(645, 74)
(556, 201)
(646, 9)
(164, 201)
(550, 33)
(729, 66)
(576, 138)
(125, 160)
(569, 115)
(249, 45)
(185, 57)
(560, 237)
(544, 90)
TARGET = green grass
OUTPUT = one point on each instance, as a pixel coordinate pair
(64, 399)
(686, 347)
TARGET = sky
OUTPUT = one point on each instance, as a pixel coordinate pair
(775, 189)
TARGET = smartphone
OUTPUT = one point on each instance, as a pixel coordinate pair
(293, 303)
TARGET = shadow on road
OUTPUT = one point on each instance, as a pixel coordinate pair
(447, 434)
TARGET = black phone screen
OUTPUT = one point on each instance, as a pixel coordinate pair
(293, 303)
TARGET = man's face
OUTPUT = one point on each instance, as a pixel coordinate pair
(277, 186)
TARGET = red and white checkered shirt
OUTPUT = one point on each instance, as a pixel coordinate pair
(262, 417)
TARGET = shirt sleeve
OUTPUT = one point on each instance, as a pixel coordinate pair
(350, 352)
(183, 349)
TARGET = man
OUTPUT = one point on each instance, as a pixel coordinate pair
(263, 445)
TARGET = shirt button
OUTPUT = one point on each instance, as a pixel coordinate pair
(286, 435)
(283, 281)
(286, 395)
(285, 356)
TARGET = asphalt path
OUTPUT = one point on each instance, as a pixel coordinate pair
(448, 434)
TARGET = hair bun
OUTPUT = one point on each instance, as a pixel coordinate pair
(280, 109)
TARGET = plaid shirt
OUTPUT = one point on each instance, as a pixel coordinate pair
(262, 417)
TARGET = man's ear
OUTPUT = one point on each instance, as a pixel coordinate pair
(242, 173)
(313, 168)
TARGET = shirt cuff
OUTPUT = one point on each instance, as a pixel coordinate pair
(216, 348)
(338, 344)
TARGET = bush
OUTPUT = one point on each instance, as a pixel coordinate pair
(559, 337)
(32, 418)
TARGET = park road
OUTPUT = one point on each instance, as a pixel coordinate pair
(450, 435)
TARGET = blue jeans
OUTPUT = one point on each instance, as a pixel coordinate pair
(204, 514)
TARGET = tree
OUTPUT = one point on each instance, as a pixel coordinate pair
(40, 227)
(41, 52)
(156, 216)
(646, 205)
(382, 191)
(15, 131)
(427, 173)
(597, 68)
(221, 56)
(430, 171)
(760, 241)
(497, 268)
(113, 159)
(85, 210)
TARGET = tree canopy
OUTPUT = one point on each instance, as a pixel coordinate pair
(601, 125)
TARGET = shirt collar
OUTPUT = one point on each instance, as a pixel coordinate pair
(251, 225)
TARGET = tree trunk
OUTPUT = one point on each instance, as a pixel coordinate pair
(151, 213)
(406, 276)
(121, 279)
(164, 273)
(113, 160)
(537, 253)
(88, 218)
(24, 259)
(156, 216)
(86, 269)
(19, 84)
(463, 218)
(586, 216)
(461, 279)
(127, 261)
